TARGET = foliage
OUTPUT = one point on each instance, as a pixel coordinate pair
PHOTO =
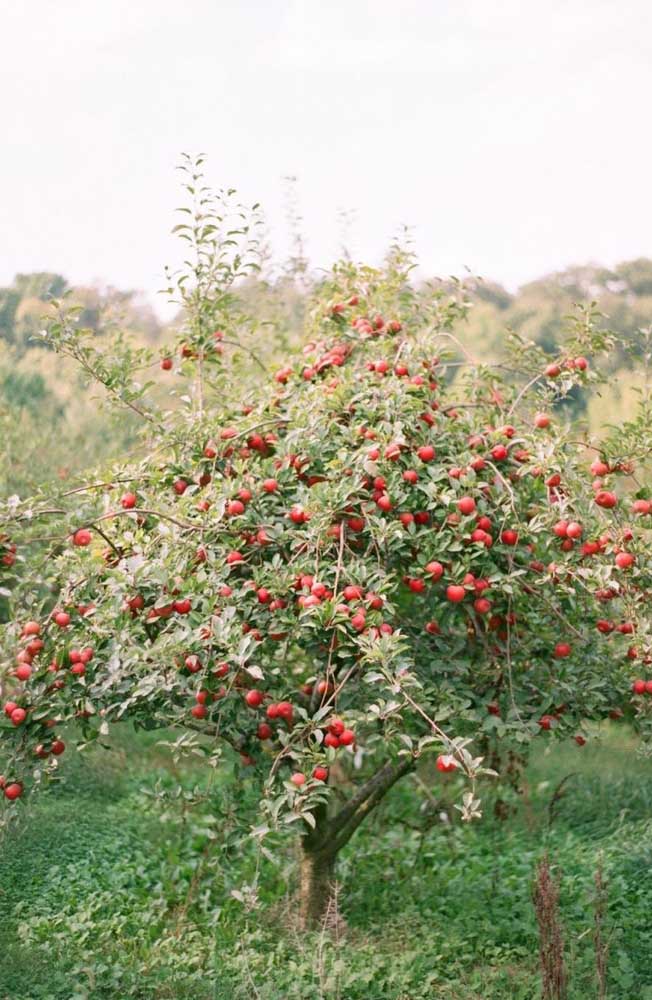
(127, 888)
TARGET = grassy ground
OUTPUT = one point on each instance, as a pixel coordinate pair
(119, 884)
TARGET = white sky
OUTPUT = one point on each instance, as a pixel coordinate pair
(514, 136)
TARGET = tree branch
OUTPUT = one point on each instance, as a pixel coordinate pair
(344, 824)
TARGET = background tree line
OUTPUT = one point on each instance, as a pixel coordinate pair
(51, 426)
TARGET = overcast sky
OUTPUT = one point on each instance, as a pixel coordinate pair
(513, 136)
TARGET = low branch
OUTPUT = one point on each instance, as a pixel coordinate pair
(348, 819)
(237, 744)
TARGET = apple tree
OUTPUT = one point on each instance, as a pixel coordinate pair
(378, 551)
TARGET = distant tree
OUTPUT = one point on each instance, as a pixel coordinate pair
(637, 275)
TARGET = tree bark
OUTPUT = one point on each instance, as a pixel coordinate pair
(316, 878)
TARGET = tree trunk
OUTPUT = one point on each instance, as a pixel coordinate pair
(320, 846)
(316, 878)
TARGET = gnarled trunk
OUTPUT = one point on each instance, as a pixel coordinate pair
(316, 879)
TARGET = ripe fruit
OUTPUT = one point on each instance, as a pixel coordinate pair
(31, 628)
(435, 570)
(128, 501)
(13, 791)
(541, 420)
(574, 529)
(478, 535)
(546, 722)
(509, 537)
(298, 779)
(426, 453)
(606, 499)
(58, 747)
(284, 710)
(562, 650)
(23, 672)
(180, 486)
(410, 476)
(639, 687)
(599, 468)
(270, 485)
(330, 740)
(264, 731)
(82, 537)
(553, 371)
(193, 663)
(466, 505)
(62, 619)
(446, 763)
(235, 507)
(347, 737)
(455, 593)
(482, 606)
(166, 364)
(254, 698)
(199, 711)
(18, 716)
(625, 560)
(320, 773)
(417, 585)
(499, 453)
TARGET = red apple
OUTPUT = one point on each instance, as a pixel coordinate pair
(466, 505)
(13, 791)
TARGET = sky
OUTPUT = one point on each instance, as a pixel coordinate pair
(513, 137)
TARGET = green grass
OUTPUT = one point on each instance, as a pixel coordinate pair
(109, 892)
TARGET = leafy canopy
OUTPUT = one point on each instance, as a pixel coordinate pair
(380, 550)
